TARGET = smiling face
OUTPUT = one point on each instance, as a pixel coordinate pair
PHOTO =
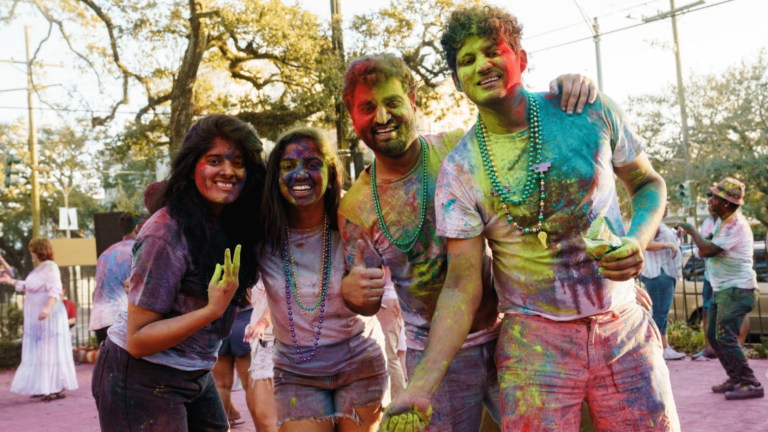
(488, 71)
(220, 174)
(384, 116)
(303, 173)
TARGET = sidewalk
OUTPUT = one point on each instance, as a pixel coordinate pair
(699, 409)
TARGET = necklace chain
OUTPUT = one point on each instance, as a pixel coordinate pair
(532, 171)
(292, 290)
(404, 246)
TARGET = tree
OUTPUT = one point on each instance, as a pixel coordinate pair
(728, 128)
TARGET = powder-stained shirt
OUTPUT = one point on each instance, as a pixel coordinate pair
(419, 274)
(732, 268)
(656, 261)
(557, 281)
(346, 339)
(112, 270)
(164, 280)
(46, 277)
(707, 231)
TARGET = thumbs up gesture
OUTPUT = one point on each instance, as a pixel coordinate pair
(363, 287)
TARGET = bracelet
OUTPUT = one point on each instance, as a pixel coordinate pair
(263, 319)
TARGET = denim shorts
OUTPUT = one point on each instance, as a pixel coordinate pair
(234, 345)
(330, 397)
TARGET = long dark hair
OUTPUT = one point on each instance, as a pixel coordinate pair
(274, 210)
(207, 236)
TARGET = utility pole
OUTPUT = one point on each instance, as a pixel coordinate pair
(337, 39)
(32, 140)
(680, 88)
(596, 33)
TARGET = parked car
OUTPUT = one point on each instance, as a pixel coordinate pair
(688, 302)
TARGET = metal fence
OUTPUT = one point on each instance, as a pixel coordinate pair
(693, 279)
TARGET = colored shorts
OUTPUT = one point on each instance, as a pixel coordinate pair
(470, 383)
(330, 397)
(133, 394)
(612, 360)
(262, 367)
(234, 345)
(707, 293)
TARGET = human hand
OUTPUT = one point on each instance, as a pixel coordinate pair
(407, 413)
(256, 331)
(221, 290)
(363, 287)
(43, 314)
(578, 91)
(624, 263)
(642, 298)
(674, 249)
(685, 227)
(5, 278)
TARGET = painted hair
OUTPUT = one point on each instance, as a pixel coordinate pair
(482, 21)
(207, 236)
(373, 69)
(274, 212)
(42, 247)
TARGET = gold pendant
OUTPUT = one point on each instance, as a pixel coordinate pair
(543, 238)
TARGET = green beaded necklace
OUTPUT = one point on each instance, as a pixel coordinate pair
(403, 246)
(535, 169)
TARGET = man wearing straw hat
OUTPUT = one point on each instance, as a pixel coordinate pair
(734, 282)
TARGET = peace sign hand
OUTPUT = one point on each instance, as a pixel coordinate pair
(221, 290)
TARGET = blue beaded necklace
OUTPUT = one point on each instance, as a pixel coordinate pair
(535, 169)
(403, 246)
(291, 290)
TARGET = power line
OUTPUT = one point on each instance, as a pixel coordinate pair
(627, 28)
(79, 110)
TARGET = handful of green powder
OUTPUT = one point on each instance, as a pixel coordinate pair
(600, 239)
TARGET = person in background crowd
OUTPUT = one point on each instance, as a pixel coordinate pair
(734, 282)
(5, 268)
(151, 194)
(158, 355)
(330, 368)
(391, 319)
(71, 310)
(235, 354)
(659, 275)
(707, 231)
(47, 367)
(112, 270)
(259, 334)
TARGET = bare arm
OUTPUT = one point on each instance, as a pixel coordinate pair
(456, 306)
(707, 249)
(149, 333)
(648, 193)
(46, 310)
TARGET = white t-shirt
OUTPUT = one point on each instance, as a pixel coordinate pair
(732, 268)
(707, 230)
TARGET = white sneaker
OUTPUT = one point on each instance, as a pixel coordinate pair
(671, 354)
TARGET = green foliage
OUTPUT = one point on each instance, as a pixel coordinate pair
(685, 339)
(728, 129)
(759, 350)
(11, 322)
(10, 354)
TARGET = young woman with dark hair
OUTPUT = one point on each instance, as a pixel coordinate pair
(330, 372)
(154, 370)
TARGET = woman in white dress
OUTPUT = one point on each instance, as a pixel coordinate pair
(47, 368)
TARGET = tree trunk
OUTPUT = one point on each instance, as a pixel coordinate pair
(182, 108)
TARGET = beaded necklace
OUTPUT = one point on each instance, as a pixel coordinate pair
(535, 166)
(403, 246)
(292, 290)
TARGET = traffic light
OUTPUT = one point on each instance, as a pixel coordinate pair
(11, 174)
(684, 193)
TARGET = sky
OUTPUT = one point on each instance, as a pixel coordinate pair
(634, 61)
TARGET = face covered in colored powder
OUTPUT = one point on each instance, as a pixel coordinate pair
(489, 71)
(220, 173)
(384, 116)
(303, 173)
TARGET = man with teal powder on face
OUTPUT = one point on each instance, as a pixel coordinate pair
(530, 180)
(388, 217)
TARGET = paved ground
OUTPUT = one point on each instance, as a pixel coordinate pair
(699, 409)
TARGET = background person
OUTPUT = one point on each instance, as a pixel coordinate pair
(391, 319)
(734, 283)
(660, 273)
(47, 367)
(112, 270)
(182, 303)
(259, 334)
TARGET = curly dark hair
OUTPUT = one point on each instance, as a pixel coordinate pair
(128, 221)
(274, 212)
(482, 21)
(208, 236)
(373, 69)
